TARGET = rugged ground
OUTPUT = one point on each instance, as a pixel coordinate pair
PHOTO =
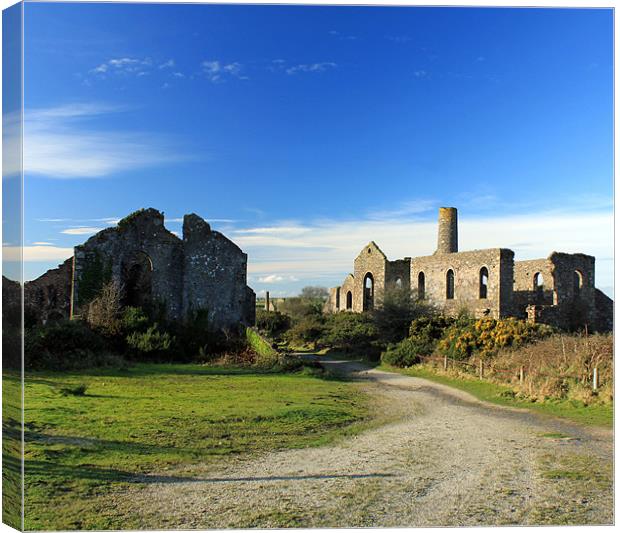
(439, 458)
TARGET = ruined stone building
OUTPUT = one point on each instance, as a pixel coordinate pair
(154, 268)
(558, 290)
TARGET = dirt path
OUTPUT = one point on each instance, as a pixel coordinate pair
(445, 459)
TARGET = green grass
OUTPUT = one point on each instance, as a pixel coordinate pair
(80, 450)
(591, 415)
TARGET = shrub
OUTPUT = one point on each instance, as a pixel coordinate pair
(103, 312)
(403, 354)
(134, 319)
(308, 329)
(350, 332)
(78, 390)
(399, 308)
(151, 343)
(272, 323)
(266, 355)
(298, 308)
(486, 336)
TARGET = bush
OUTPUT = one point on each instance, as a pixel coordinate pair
(266, 355)
(103, 312)
(395, 315)
(134, 319)
(78, 390)
(351, 332)
(403, 354)
(272, 323)
(66, 345)
(486, 336)
(308, 329)
(151, 343)
(298, 308)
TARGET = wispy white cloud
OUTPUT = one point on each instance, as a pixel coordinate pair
(217, 71)
(167, 64)
(276, 278)
(400, 39)
(36, 253)
(123, 66)
(58, 144)
(81, 231)
(342, 36)
(420, 73)
(312, 67)
(42, 243)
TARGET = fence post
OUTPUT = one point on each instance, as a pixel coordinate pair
(521, 375)
(595, 379)
(445, 362)
(481, 369)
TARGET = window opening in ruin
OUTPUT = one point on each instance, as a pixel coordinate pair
(577, 282)
(399, 283)
(484, 282)
(369, 292)
(421, 286)
(539, 285)
(450, 284)
(338, 298)
(137, 281)
(349, 300)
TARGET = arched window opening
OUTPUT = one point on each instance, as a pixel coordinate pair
(421, 286)
(137, 281)
(539, 285)
(337, 297)
(349, 300)
(450, 285)
(577, 282)
(399, 283)
(484, 282)
(369, 292)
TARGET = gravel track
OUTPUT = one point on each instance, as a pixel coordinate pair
(443, 459)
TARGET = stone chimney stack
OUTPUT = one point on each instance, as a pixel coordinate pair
(447, 233)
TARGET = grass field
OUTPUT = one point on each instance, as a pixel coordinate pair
(592, 415)
(82, 448)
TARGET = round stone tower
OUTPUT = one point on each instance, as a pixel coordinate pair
(447, 234)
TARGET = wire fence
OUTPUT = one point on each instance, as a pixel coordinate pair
(483, 368)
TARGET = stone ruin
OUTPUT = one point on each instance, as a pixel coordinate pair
(558, 290)
(153, 267)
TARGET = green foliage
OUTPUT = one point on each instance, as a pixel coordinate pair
(78, 390)
(266, 355)
(95, 274)
(150, 344)
(351, 332)
(134, 319)
(299, 308)
(308, 329)
(314, 292)
(66, 345)
(272, 323)
(403, 354)
(398, 310)
(124, 222)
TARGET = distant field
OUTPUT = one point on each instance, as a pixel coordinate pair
(80, 450)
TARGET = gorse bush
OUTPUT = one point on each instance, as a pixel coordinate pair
(350, 332)
(486, 336)
(307, 330)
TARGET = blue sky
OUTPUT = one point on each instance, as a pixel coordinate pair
(304, 132)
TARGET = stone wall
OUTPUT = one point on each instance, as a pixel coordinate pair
(48, 297)
(154, 269)
(370, 263)
(466, 267)
(214, 275)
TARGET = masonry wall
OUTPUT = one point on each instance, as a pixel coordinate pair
(466, 267)
(139, 239)
(371, 260)
(215, 275)
(49, 296)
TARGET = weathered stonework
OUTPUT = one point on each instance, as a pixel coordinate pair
(558, 290)
(155, 268)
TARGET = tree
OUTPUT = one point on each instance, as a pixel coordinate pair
(314, 292)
